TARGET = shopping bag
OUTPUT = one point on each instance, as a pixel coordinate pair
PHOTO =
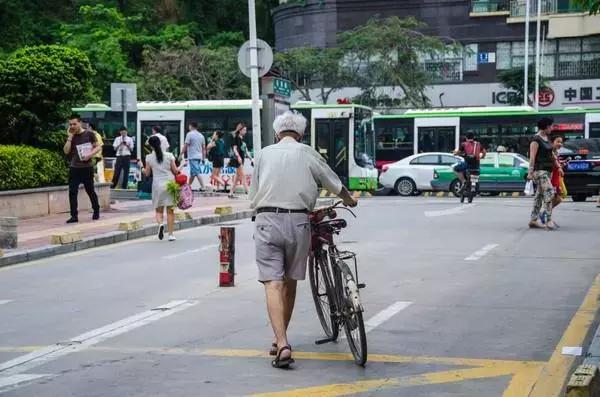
(529, 191)
(563, 188)
(186, 197)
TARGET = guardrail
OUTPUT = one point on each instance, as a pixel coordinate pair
(487, 6)
(519, 7)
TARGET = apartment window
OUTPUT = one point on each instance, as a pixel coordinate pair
(564, 58)
(443, 67)
(470, 57)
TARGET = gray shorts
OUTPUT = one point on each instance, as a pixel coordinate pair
(282, 246)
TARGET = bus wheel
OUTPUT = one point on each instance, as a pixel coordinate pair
(579, 197)
(405, 187)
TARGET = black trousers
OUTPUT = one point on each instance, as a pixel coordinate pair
(122, 164)
(77, 176)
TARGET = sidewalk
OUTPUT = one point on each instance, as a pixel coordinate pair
(36, 232)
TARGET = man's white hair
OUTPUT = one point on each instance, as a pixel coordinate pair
(290, 122)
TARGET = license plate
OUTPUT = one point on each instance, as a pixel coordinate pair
(579, 166)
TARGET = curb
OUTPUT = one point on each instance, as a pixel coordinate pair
(585, 380)
(100, 240)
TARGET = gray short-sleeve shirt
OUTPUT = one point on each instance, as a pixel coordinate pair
(195, 141)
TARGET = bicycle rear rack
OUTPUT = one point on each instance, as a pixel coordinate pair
(347, 256)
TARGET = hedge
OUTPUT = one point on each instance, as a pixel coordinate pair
(25, 167)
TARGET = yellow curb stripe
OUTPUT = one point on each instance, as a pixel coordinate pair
(554, 374)
(345, 389)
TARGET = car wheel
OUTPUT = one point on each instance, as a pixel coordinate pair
(455, 187)
(405, 187)
(579, 197)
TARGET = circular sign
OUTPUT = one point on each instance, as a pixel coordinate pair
(265, 57)
(546, 96)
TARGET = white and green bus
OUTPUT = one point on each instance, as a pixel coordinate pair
(343, 134)
(440, 130)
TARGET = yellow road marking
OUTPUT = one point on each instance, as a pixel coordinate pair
(431, 378)
(555, 372)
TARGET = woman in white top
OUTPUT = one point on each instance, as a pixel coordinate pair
(161, 165)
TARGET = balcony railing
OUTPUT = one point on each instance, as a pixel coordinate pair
(518, 7)
(486, 6)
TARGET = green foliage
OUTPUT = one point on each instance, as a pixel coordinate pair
(593, 6)
(174, 191)
(514, 80)
(226, 39)
(24, 167)
(308, 67)
(53, 141)
(114, 42)
(192, 73)
(388, 52)
(38, 87)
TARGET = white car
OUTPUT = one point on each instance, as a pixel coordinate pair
(414, 173)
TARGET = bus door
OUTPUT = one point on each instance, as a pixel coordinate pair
(592, 125)
(436, 134)
(332, 143)
(170, 129)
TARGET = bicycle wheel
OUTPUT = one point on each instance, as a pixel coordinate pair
(352, 315)
(322, 292)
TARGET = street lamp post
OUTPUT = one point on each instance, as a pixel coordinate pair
(526, 76)
(256, 130)
(537, 56)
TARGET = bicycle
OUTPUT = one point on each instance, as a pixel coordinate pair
(470, 187)
(335, 288)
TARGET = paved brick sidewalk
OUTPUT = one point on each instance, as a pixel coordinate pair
(36, 232)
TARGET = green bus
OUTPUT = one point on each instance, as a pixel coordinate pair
(441, 130)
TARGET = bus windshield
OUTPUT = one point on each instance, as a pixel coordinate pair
(364, 140)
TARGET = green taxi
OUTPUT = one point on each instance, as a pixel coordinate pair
(500, 172)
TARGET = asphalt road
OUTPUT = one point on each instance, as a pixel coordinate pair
(462, 301)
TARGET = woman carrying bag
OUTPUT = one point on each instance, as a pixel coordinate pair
(161, 165)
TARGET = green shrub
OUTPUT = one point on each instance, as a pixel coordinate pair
(53, 141)
(25, 167)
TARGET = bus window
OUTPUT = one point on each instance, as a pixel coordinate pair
(394, 140)
(594, 130)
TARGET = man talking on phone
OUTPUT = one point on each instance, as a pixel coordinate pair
(80, 147)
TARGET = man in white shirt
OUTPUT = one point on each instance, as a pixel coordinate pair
(284, 189)
(164, 143)
(123, 145)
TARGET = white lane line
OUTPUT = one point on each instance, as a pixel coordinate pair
(36, 358)
(385, 315)
(13, 380)
(5, 301)
(481, 253)
(194, 251)
(449, 211)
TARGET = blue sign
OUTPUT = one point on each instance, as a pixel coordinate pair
(483, 57)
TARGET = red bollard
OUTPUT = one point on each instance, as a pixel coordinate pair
(227, 257)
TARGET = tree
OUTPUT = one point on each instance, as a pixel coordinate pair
(593, 6)
(38, 87)
(192, 73)
(513, 79)
(388, 52)
(308, 67)
(114, 43)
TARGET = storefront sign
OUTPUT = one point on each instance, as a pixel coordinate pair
(582, 95)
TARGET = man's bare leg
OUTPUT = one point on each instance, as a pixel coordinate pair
(289, 299)
(276, 309)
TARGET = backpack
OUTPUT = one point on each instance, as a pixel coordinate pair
(472, 150)
(186, 197)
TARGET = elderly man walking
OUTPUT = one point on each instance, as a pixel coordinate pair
(284, 189)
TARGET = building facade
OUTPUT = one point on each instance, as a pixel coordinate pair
(493, 31)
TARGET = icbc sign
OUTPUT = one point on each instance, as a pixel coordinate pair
(546, 96)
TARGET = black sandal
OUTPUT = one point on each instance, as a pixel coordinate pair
(273, 351)
(283, 362)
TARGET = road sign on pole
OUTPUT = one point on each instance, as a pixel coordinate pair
(255, 59)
